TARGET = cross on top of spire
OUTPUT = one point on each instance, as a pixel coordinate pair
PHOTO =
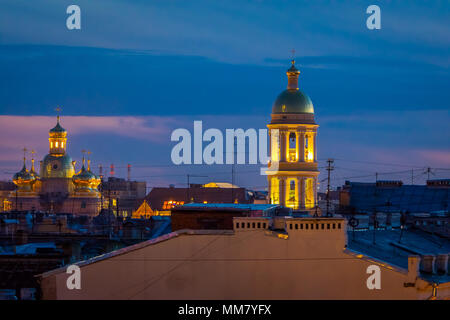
(58, 111)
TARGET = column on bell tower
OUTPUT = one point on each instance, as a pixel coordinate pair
(315, 146)
(282, 145)
(301, 146)
(283, 191)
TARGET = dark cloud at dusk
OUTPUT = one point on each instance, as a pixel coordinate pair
(380, 97)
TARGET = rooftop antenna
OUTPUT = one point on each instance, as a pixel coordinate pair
(428, 171)
(329, 169)
(129, 172)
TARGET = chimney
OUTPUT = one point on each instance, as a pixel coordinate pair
(413, 268)
(442, 263)
(428, 263)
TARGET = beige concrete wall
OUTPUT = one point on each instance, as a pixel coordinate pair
(246, 264)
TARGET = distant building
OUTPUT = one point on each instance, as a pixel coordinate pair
(122, 196)
(6, 188)
(394, 196)
(168, 198)
(198, 216)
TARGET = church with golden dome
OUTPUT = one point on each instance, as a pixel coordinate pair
(293, 170)
(57, 188)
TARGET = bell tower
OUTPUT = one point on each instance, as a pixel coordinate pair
(293, 170)
(57, 139)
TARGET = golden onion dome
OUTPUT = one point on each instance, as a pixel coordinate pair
(292, 100)
(57, 128)
(32, 171)
(24, 177)
(85, 179)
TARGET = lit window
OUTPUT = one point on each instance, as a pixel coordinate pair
(62, 144)
(56, 144)
(51, 144)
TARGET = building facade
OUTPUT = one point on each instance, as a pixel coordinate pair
(261, 258)
(122, 197)
(57, 188)
(293, 171)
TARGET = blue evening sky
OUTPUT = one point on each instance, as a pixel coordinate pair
(380, 96)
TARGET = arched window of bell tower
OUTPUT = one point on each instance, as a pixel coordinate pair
(292, 148)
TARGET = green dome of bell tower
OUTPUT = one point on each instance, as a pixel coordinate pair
(292, 100)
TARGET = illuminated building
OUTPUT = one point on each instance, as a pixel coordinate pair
(57, 188)
(293, 159)
(123, 197)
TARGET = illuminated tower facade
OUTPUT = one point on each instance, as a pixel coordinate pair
(293, 171)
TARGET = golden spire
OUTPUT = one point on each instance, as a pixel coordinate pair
(84, 161)
(292, 74)
(58, 110)
(24, 156)
(32, 160)
(89, 160)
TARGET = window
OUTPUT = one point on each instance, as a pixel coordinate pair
(292, 148)
(237, 225)
(306, 226)
(83, 205)
(253, 225)
(301, 225)
(323, 226)
(264, 225)
(334, 225)
(296, 226)
(248, 225)
(290, 226)
(167, 205)
(339, 225)
(259, 225)
(242, 225)
(317, 226)
(56, 144)
(328, 226)
(62, 144)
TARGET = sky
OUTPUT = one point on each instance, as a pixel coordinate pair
(139, 69)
